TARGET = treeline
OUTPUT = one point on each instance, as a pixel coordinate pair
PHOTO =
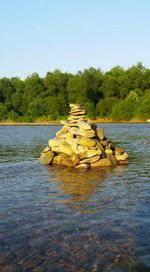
(118, 94)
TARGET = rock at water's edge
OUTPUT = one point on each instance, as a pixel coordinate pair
(47, 157)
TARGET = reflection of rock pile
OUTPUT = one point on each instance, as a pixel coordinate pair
(81, 144)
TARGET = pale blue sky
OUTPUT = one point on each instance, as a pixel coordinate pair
(42, 35)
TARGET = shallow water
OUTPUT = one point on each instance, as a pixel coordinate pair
(58, 219)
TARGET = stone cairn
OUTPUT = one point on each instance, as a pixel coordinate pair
(80, 144)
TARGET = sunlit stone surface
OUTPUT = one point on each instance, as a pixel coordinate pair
(84, 140)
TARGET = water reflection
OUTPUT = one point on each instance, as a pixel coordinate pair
(79, 186)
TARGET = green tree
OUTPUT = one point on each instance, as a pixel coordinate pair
(104, 106)
(3, 112)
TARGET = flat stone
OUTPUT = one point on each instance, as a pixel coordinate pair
(75, 117)
(85, 141)
(74, 145)
(60, 146)
(70, 161)
(101, 163)
(83, 166)
(82, 149)
(93, 152)
(84, 125)
(77, 113)
(100, 133)
(87, 133)
(71, 141)
(65, 148)
(56, 149)
(73, 124)
(90, 160)
(46, 158)
(75, 106)
(55, 142)
(121, 157)
(75, 131)
(76, 120)
(65, 135)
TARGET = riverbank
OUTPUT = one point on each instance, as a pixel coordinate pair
(55, 123)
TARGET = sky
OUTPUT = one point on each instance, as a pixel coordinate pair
(72, 35)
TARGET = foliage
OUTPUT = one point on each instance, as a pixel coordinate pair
(118, 94)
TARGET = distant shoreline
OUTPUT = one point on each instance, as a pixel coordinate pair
(56, 123)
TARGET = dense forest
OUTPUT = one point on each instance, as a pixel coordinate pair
(118, 94)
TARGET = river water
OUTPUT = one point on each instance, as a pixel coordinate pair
(58, 219)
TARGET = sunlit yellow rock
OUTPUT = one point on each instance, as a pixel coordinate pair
(90, 160)
(47, 157)
(66, 135)
(100, 133)
(93, 152)
(85, 141)
(84, 125)
(83, 166)
(122, 157)
(102, 162)
(62, 131)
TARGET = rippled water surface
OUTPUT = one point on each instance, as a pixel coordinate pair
(57, 219)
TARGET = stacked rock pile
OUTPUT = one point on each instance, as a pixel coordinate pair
(81, 144)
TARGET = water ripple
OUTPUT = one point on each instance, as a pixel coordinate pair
(57, 219)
